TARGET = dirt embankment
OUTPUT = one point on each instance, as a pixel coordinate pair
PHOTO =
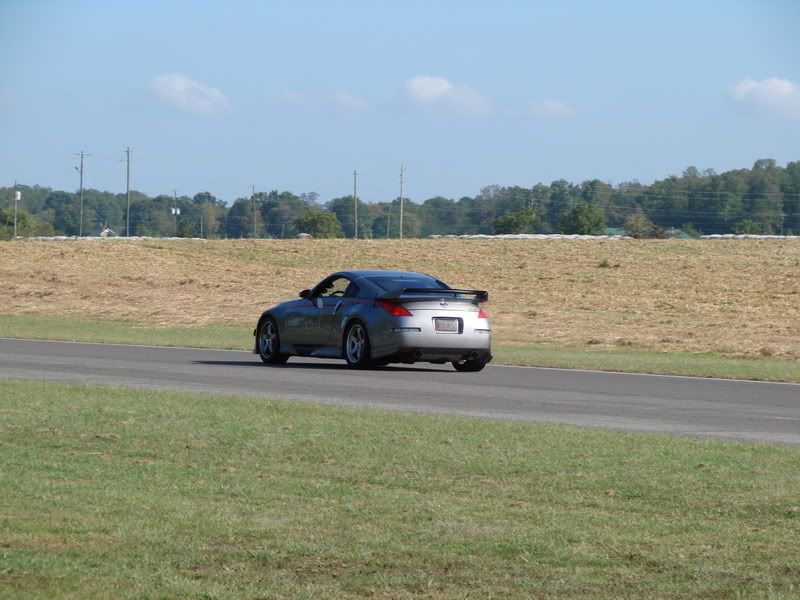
(734, 297)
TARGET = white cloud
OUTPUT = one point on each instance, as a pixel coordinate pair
(189, 95)
(776, 96)
(551, 110)
(425, 90)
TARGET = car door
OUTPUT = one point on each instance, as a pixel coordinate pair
(331, 317)
(296, 320)
(315, 319)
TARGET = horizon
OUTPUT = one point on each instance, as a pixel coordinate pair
(464, 95)
(321, 202)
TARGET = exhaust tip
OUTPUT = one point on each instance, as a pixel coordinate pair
(472, 355)
(417, 353)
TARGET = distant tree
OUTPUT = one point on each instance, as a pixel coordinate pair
(386, 219)
(205, 198)
(310, 197)
(790, 187)
(639, 226)
(583, 219)
(279, 211)
(210, 222)
(411, 223)
(521, 221)
(27, 225)
(692, 231)
(319, 223)
(563, 196)
(108, 211)
(239, 220)
(185, 228)
(439, 216)
(763, 198)
(765, 203)
(764, 164)
(381, 225)
(66, 212)
(691, 172)
(750, 227)
(343, 209)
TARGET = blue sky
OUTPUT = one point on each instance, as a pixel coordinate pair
(219, 96)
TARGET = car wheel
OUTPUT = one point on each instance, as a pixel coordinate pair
(469, 366)
(356, 346)
(269, 343)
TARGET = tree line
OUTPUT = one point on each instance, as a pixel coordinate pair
(764, 199)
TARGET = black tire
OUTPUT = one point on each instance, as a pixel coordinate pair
(268, 343)
(357, 349)
(470, 366)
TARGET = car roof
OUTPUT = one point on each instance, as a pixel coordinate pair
(359, 273)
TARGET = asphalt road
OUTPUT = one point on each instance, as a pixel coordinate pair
(680, 405)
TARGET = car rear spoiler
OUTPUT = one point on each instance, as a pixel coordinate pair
(477, 295)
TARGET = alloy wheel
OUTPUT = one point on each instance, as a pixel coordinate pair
(356, 339)
(267, 339)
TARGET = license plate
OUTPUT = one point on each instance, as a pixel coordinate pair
(445, 325)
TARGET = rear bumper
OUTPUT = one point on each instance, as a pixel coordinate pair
(410, 344)
(412, 354)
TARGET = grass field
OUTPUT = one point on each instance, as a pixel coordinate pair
(109, 493)
(736, 299)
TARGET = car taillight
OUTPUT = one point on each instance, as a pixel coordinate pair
(396, 310)
(482, 314)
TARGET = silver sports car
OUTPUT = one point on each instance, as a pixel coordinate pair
(373, 318)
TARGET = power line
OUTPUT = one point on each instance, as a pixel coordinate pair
(80, 225)
(128, 193)
(401, 200)
(255, 221)
(355, 206)
(17, 197)
(693, 193)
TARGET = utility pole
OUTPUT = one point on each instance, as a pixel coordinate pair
(175, 212)
(17, 198)
(401, 200)
(80, 226)
(355, 207)
(255, 222)
(128, 194)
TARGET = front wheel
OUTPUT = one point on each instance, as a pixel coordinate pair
(356, 346)
(269, 343)
(469, 366)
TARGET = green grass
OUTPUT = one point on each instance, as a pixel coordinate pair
(35, 327)
(241, 338)
(112, 493)
(641, 361)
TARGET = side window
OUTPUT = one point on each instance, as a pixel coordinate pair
(335, 287)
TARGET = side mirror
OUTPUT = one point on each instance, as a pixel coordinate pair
(306, 294)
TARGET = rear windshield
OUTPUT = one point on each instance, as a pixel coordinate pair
(395, 282)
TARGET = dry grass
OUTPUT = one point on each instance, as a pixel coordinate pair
(738, 297)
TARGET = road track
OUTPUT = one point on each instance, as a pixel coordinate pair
(742, 410)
